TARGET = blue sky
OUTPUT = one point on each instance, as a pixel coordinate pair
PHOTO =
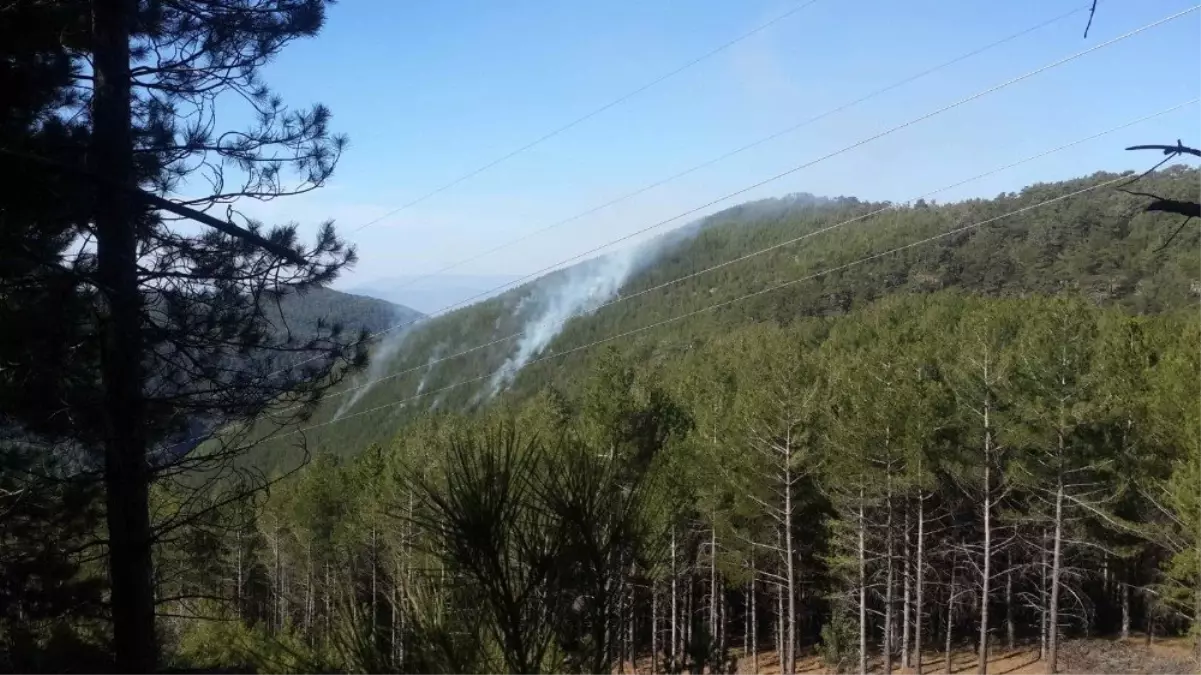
(428, 91)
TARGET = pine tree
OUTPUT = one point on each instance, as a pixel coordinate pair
(183, 342)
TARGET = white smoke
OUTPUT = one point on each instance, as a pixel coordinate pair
(377, 363)
(435, 354)
(572, 292)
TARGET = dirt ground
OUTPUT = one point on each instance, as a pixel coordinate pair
(1167, 656)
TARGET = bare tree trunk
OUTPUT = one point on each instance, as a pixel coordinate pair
(674, 653)
(862, 589)
(689, 612)
(986, 574)
(397, 661)
(1125, 608)
(126, 471)
(630, 630)
(721, 630)
(309, 603)
(919, 568)
(1010, 626)
(1196, 617)
(746, 626)
(1150, 611)
(906, 571)
(888, 582)
(950, 619)
(754, 625)
(790, 564)
(1056, 564)
(1042, 597)
(238, 608)
(780, 626)
(713, 582)
(654, 628)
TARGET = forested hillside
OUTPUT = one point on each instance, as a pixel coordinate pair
(302, 313)
(1100, 245)
(984, 445)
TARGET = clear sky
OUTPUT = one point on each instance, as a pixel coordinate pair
(429, 90)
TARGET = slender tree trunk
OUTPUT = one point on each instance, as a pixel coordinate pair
(790, 563)
(889, 600)
(689, 612)
(397, 661)
(950, 620)
(780, 625)
(654, 628)
(1056, 566)
(906, 571)
(1150, 611)
(674, 653)
(374, 593)
(746, 627)
(754, 625)
(713, 582)
(1043, 597)
(920, 569)
(862, 589)
(238, 607)
(630, 630)
(1010, 626)
(1125, 591)
(126, 472)
(721, 631)
(1196, 617)
(986, 573)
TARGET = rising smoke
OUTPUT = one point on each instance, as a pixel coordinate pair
(376, 365)
(575, 291)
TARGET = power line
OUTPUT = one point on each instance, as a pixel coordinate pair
(773, 247)
(727, 155)
(783, 174)
(587, 116)
(707, 308)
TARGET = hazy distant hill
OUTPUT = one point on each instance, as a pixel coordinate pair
(435, 293)
(353, 311)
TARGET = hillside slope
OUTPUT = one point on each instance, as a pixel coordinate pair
(1100, 243)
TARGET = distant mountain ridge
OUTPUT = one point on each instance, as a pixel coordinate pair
(353, 311)
(432, 293)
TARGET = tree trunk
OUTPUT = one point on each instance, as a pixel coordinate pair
(713, 583)
(126, 472)
(862, 589)
(654, 629)
(886, 647)
(950, 620)
(1150, 611)
(1042, 597)
(673, 653)
(1126, 608)
(374, 594)
(780, 625)
(790, 565)
(906, 589)
(985, 576)
(754, 625)
(1196, 620)
(1053, 628)
(630, 630)
(1010, 626)
(746, 626)
(919, 568)
(721, 631)
(1053, 617)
